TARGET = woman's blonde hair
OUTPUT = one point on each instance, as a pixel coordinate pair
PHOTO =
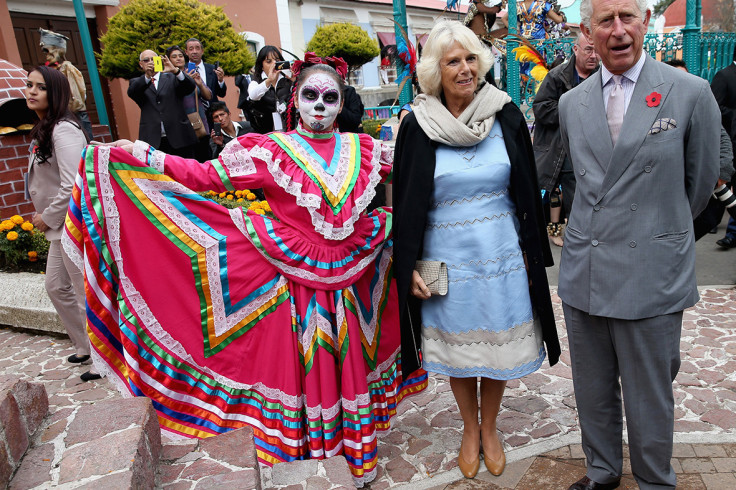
(443, 35)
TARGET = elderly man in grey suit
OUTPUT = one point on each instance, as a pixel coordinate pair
(643, 138)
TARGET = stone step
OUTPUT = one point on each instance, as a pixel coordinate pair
(23, 406)
(25, 304)
(224, 461)
(115, 444)
(330, 473)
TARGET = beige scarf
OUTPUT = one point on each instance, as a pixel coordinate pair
(470, 128)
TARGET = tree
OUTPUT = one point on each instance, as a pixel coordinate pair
(159, 24)
(661, 6)
(348, 41)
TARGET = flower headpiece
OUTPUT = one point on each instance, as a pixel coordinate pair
(312, 59)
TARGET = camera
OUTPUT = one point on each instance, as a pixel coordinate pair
(282, 65)
(217, 127)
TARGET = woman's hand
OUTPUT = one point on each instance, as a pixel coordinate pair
(126, 145)
(418, 288)
(272, 77)
(38, 223)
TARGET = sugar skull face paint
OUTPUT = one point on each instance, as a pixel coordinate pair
(319, 101)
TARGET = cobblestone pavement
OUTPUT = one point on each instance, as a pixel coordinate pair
(537, 417)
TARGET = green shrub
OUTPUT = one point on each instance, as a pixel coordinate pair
(373, 126)
(348, 41)
(159, 24)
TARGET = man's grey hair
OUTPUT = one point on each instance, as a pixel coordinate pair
(586, 10)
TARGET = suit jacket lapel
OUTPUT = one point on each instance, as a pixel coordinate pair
(596, 128)
(638, 120)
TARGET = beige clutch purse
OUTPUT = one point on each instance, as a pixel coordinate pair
(434, 275)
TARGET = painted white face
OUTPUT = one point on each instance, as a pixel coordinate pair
(319, 101)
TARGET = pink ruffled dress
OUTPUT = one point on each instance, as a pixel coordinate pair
(226, 318)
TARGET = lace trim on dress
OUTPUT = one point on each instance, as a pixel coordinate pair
(149, 155)
(237, 160)
(73, 252)
(313, 202)
(139, 306)
(222, 321)
(238, 217)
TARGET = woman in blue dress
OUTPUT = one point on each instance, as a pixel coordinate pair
(465, 194)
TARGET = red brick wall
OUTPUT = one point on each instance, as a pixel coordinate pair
(13, 164)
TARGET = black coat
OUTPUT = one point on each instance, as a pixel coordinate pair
(414, 165)
(724, 90)
(164, 104)
(260, 112)
(351, 115)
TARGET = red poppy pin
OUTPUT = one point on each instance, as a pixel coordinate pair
(653, 99)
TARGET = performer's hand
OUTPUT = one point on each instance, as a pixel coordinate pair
(123, 144)
(38, 223)
(418, 288)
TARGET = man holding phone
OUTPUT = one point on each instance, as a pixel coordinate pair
(224, 128)
(159, 93)
(213, 75)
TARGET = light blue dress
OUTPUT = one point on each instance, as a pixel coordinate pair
(485, 325)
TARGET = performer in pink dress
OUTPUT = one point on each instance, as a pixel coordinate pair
(225, 318)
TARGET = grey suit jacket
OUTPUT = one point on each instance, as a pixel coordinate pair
(629, 249)
(50, 183)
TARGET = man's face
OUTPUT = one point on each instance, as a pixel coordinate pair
(586, 59)
(146, 61)
(222, 117)
(194, 51)
(617, 31)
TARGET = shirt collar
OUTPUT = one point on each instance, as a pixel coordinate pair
(630, 74)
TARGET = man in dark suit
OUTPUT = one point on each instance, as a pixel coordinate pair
(724, 89)
(643, 138)
(214, 78)
(164, 124)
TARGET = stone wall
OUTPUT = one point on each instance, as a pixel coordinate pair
(13, 164)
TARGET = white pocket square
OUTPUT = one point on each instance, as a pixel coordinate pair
(662, 125)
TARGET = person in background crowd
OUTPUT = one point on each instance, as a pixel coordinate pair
(554, 167)
(722, 198)
(195, 101)
(465, 193)
(229, 129)
(160, 96)
(643, 140)
(350, 118)
(269, 92)
(58, 141)
(53, 46)
(213, 77)
(724, 90)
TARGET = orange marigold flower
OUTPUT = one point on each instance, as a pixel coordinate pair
(240, 199)
(7, 225)
(12, 236)
(33, 256)
(27, 226)
(251, 196)
(222, 194)
(18, 220)
(212, 193)
(238, 193)
(259, 211)
(230, 197)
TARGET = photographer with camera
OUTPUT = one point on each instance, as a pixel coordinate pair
(269, 91)
(224, 128)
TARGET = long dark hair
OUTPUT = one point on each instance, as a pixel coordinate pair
(177, 48)
(262, 55)
(58, 95)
